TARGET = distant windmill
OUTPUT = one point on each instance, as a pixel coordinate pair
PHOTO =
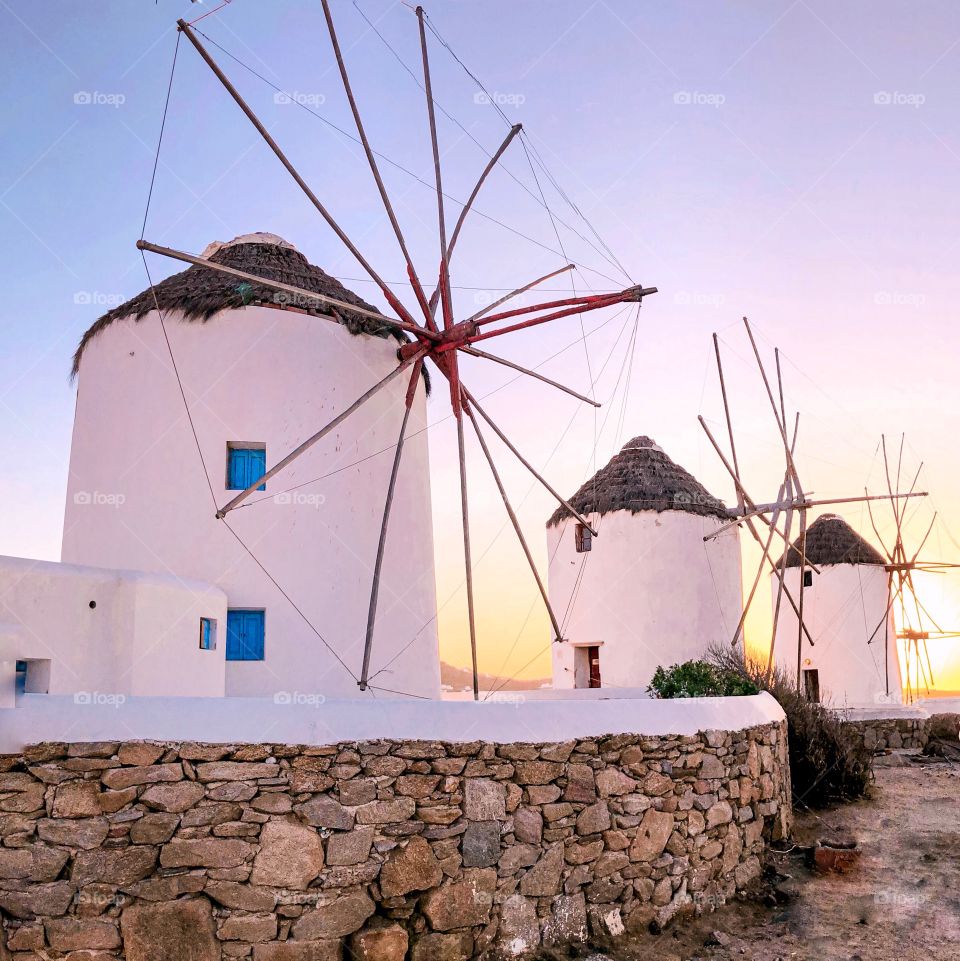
(774, 520)
(917, 625)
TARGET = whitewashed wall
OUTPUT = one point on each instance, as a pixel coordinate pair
(652, 592)
(141, 638)
(238, 720)
(137, 497)
(841, 610)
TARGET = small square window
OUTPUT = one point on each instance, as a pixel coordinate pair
(808, 578)
(583, 538)
(208, 634)
(246, 464)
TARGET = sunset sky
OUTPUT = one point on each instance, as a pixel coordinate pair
(794, 162)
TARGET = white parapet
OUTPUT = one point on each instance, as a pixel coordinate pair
(102, 633)
(292, 717)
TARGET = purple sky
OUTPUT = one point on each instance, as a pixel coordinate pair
(794, 162)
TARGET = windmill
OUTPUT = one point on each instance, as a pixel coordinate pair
(914, 623)
(434, 332)
(772, 523)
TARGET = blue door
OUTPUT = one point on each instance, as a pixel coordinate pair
(245, 466)
(245, 635)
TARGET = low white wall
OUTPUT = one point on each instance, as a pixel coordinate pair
(310, 719)
(142, 637)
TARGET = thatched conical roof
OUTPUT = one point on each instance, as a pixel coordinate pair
(831, 540)
(642, 478)
(199, 292)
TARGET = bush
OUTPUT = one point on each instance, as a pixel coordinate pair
(699, 679)
(827, 761)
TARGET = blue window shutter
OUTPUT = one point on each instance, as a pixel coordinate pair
(245, 630)
(237, 469)
(253, 636)
(245, 466)
(234, 645)
(257, 467)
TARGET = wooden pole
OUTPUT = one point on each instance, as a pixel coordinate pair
(518, 291)
(474, 352)
(310, 441)
(443, 284)
(381, 545)
(515, 522)
(781, 585)
(803, 568)
(886, 638)
(287, 288)
(756, 581)
(749, 521)
(468, 562)
(527, 464)
(514, 130)
(757, 510)
(726, 413)
(780, 424)
(375, 170)
(282, 157)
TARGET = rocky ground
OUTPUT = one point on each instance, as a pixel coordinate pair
(900, 903)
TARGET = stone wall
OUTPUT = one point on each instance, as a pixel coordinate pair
(381, 849)
(890, 733)
(880, 734)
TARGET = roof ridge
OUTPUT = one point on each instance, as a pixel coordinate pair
(831, 540)
(642, 477)
(200, 292)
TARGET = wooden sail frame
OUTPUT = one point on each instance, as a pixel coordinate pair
(441, 345)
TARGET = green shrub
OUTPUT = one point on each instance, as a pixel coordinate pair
(827, 761)
(699, 679)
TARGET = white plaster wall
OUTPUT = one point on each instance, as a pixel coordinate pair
(137, 497)
(237, 720)
(142, 638)
(652, 592)
(841, 610)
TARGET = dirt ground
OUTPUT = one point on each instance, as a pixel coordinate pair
(901, 902)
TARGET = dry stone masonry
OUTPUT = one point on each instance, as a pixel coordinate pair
(894, 733)
(382, 850)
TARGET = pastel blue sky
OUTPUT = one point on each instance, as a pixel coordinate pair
(793, 161)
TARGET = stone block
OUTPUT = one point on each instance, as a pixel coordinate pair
(464, 903)
(290, 855)
(179, 929)
(483, 800)
(413, 867)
